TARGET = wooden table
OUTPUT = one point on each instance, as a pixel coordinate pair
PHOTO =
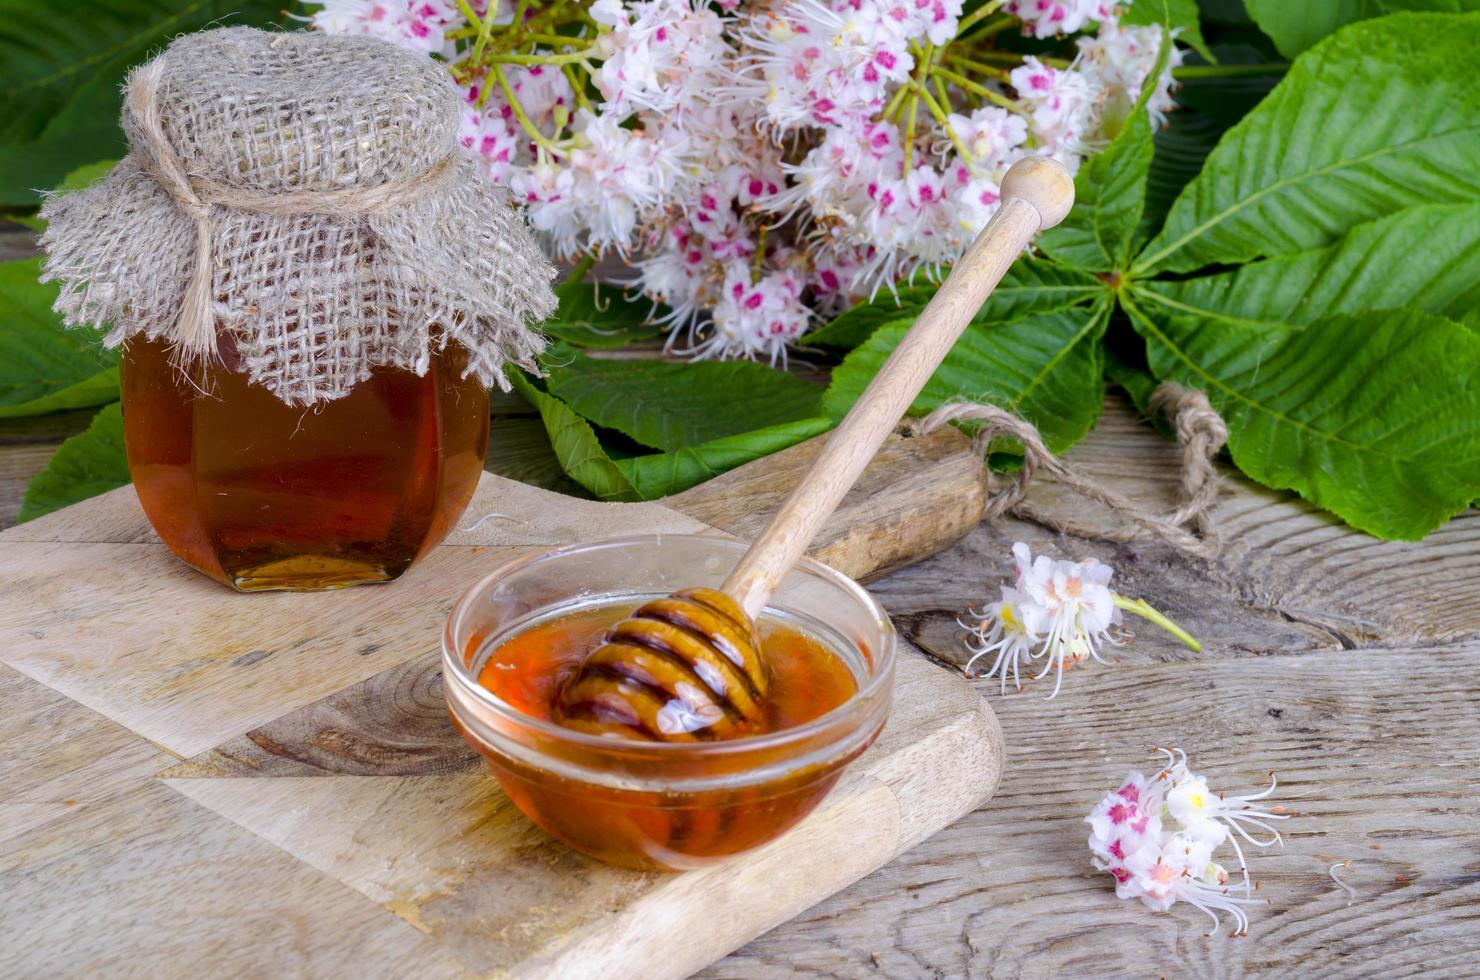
(1349, 666)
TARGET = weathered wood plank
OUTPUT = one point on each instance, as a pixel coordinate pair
(342, 686)
(449, 853)
(1346, 664)
(919, 495)
(107, 628)
(56, 755)
(1285, 556)
(150, 884)
(1375, 748)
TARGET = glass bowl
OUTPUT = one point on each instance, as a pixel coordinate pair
(668, 805)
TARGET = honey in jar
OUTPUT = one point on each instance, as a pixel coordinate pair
(259, 494)
(673, 826)
(314, 287)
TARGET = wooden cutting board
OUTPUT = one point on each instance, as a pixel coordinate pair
(195, 780)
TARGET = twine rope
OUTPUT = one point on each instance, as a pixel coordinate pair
(1200, 431)
(197, 198)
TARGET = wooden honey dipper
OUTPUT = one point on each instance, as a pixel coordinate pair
(688, 666)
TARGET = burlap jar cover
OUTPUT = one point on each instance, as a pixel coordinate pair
(307, 195)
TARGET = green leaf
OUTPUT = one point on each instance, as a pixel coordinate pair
(60, 72)
(660, 474)
(86, 129)
(1030, 286)
(75, 181)
(1386, 435)
(670, 406)
(575, 445)
(43, 367)
(669, 473)
(1228, 12)
(1382, 116)
(1136, 381)
(1206, 108)
(857, 323)
(98, 389)
(89, 463)
(1046, 367)
(1423, 258)
(86, 175)
(1437, 6)
(598, 320)
(1294, 25)
(519, 448)
(1109, 193)
(1180, 14)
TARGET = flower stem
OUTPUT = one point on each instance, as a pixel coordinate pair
(909, 131)
(991, 71)
(524, 121)
(1230, 71)
(942, 93)
(1142, 608)
(945, 123)
(988, 30)
(542, 59)
(894, 101)
(990, 94)
(760, 255)
(560, 40)
(977, 16)
(577, 86)
(485, 27)
(469, 15)
(579, 270)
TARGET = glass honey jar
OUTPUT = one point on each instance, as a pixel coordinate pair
(262, 495)
(313, 287)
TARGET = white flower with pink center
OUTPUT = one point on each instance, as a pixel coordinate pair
(493, 138)
(1070, 606)
(1046, 18)
(1060, 611)
(420, 25)
(836, 138)
(755, 316)
(1060, 104)
(1215, 817)
(658, 53)
(838, 280)
(1000, 630)
(1140, 834)
(992, 136)
(1119, 59)
(809, 65)
(676, 275)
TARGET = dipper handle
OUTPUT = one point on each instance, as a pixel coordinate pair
(1036, 194)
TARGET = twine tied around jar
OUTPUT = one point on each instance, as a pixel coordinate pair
(195, 334)
(1200, 431)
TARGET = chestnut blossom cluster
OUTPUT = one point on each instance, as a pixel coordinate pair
(1060, 612)
(764, 165)
(1157, 838)
(417, 24)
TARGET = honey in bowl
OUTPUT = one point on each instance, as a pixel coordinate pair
(658, 828)
(528, 671)
(513, 639)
